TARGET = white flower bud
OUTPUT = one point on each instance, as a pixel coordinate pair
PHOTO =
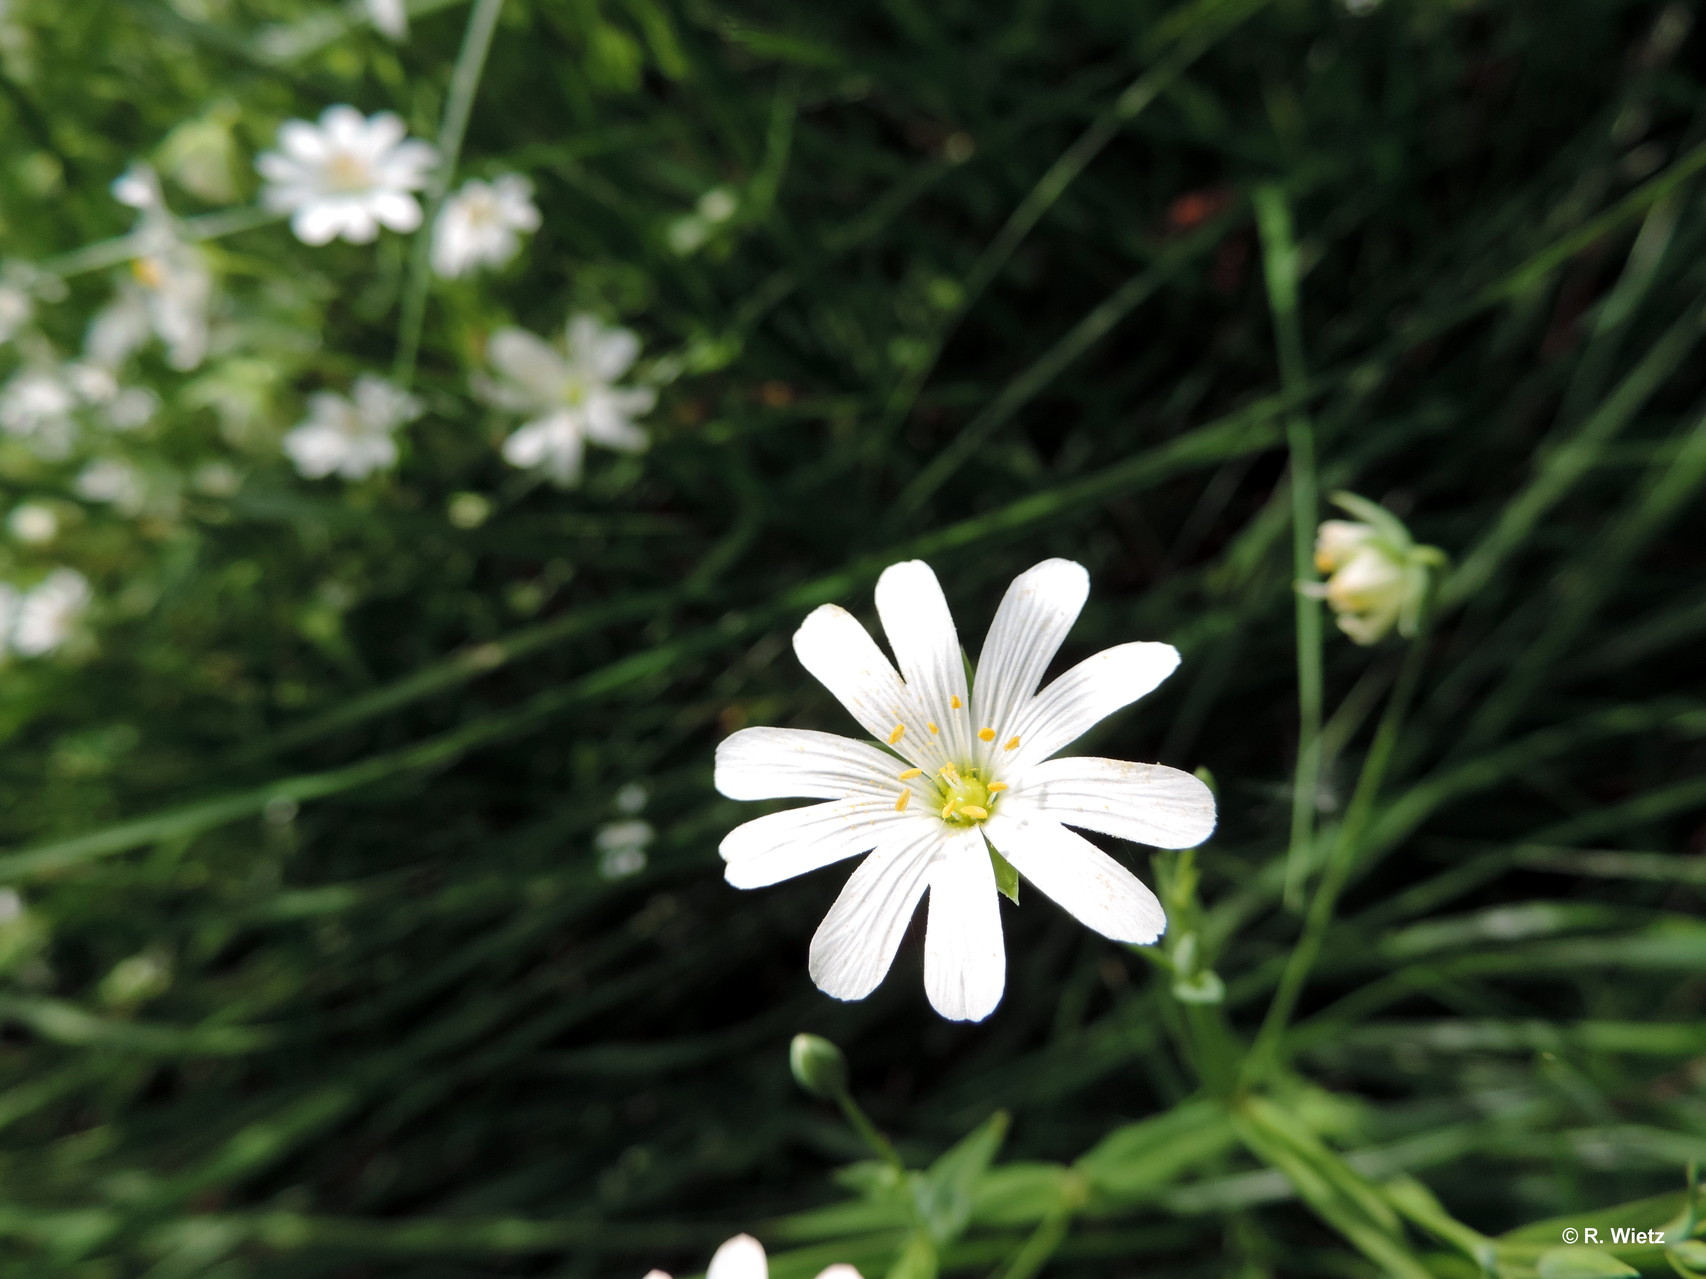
(1378, 578)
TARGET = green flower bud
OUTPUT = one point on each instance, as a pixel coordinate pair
(818, 1067)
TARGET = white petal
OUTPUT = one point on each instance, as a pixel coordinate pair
(841, 654)
(608, 425)
(656, 1274)
(1145, 803)
(770, 849)
(302, 142)
(740, 1258)
(921, 631)
(529, 361)
(395, 209)
(797, 763)
(1087, 694)
(1029, 627)
(965, 963)
(841, 1270)
(318, 223)
(614, 352)
(1087, 883)
(854, 946)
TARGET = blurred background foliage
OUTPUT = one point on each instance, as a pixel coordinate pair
(317, 964)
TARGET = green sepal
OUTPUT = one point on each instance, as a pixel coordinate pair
(1006, 878)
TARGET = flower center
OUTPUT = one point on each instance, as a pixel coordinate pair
(346, 172)
(574, 391)
(960, 796)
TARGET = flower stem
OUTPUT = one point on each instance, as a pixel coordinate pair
(879, 1144)
(464, 83)
(1279, 259)
(1340, 859)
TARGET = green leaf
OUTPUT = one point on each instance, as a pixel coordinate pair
(1690, 1252)
(1006, 878)
(917, 1260)
(943, 1193)
(1581, 1263)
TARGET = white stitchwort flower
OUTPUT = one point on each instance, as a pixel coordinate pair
(113, 482)
(621, 847)
(963, 768)
(482, 224)
(743, 1258)
(389, 17)
(47, 614)
(33, 524)
(571, 394)
(16, 308)
(1377, 576)
(351, 437)
(38, 405)
(349, 175)
(171, 285)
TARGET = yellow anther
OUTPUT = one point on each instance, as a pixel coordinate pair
(954, 701)
(974, 812)
(1011, 744)
(995, 787)
(932, 728)
(899, 732)
(949, 771)
(948, 809)
(901, 803)
(986, 734)
(908, 774)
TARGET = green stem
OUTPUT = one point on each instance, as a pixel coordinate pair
(1279, 257)
(879, 1144)
(464, 84)
(1340, 859)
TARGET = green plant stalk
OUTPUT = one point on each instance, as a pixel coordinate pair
(868, 1132)
(464, 84)
(1279, 260)
(1340, 858)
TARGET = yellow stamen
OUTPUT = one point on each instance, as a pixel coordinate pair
(954, 701)
(974, 812)
(986, 734)
(899, 732)
(995, 787)
(950, 772)
(901, 803)
(908, 774)
(932, 728)
(1011, 744)
(948, 809)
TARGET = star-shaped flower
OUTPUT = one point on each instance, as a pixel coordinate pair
(572, 395)
(349, 175)
(351, 437)
(743, 1258)
(960, 768)
(482, 223)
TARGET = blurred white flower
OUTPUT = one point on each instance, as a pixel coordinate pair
(689, 233)
(1377, 576)
(622, 848)
(974, 773)
(11, 905)
(389, 17)
(33, 523)
(15, 310)
(111, 482)
(47, 615)
(631, 799)
(122, 408)
(38, 405)
(571, 394)
(351, 437)
(743, 1258)
(481, 224)
(169, 291)
(347, 176)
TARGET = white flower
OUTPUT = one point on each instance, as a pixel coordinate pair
(15, 310)
(743, 1258)
(348, 176)
(47, 615)
(622, 848)
(481, 224)
(351, 437)
(122, 408)
(573, 397)
(32, 523)
(1378, 577)
(390, 18)
(170, 287)
(974, 773)
(38, 405)
(110, 481)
